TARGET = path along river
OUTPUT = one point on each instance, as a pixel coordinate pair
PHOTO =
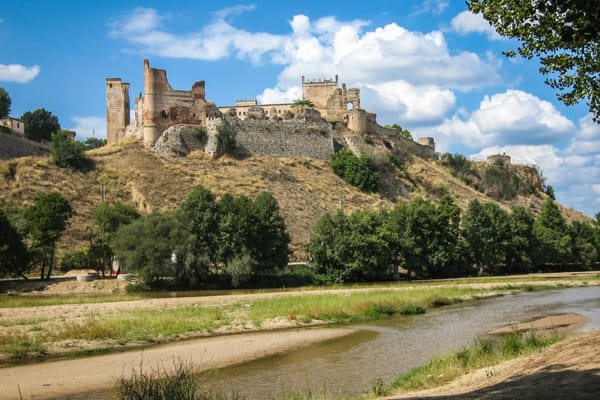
(352, 364)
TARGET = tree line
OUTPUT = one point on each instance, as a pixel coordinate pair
(204, 240)
(421, 239)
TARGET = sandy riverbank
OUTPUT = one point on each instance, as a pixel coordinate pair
(54, 378)
(569, 369)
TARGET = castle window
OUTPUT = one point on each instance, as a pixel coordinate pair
(164, 114)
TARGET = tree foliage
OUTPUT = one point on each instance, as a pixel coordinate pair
(14, 256)
(40, 124)
(5, 103)
(66, 152)
(565, 35)
(44, 221)
(400, 130)
(225, 139)
(358, 171)
(93, 143)
(421, 239)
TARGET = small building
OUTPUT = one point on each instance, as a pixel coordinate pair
(15, 126)
(502, 159)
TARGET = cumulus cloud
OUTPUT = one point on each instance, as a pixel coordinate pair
(510, 118)
(276, 95)
(574, 172)
(400, 101)
(466, 22)
(18, 73)
(89, 126)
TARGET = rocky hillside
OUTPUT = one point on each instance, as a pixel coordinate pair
(305, 188)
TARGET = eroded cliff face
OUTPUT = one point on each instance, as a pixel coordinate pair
(12, 146)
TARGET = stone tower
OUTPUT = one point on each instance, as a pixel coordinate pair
(117, 109)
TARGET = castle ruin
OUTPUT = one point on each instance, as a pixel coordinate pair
(284, 129)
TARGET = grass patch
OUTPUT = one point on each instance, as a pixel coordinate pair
(18, 345)
(482, 353)
(19, 301)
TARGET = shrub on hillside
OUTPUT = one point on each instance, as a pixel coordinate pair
(358, 171)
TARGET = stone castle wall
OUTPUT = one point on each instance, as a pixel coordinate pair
(283, 138)
(12, 146)
(117, 109)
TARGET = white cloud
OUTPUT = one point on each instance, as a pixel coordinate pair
(18, 73)
(510, 118)
(466, 22)
(573, 172)
(430, 6)
(274, 96)
(217, 40)
(89, 126)
(400, 101)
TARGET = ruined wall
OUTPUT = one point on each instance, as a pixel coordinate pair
(283, 138)
(117, 109)
(318, 92)
(271, 111)
(164, 107)
(12, 146)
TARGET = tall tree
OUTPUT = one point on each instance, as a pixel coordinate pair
(40, 124)
(146, 246)
(486, 231)
(45, 220)
(5, 103)
(14, 257)
(108, 218)
(519, 254)
(564, 34)
(551, 235)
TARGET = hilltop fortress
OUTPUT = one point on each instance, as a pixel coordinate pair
(170, 120)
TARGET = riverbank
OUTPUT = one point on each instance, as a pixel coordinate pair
(64, 377)
(569, 369)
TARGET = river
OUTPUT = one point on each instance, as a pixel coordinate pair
(382, 350)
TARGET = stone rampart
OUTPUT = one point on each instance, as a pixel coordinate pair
(12, 146)
(283, 138)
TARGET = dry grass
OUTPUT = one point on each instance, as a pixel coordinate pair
(305, 188)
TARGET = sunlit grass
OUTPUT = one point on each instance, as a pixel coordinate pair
(482, 353)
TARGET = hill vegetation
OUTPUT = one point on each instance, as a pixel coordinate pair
(304, 189)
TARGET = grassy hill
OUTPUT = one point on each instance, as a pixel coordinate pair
(305, 188)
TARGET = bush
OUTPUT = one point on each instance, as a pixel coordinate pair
(160, 384)
(225, 139)
(358, 171)
(76, 259)
(241, 269)
(66, 152)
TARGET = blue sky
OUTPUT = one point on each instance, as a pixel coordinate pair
(429, 65)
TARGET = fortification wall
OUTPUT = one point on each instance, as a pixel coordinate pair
(283, 138)
(12, 146)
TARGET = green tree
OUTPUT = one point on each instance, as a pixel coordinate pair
(564, 34)
(45, 220)
(584, 240)
(400, 130)
(40, 124)
(198, 217)
(271, 242)
(519, 253)
(66, 152)
(93, 143)
(328, 251)
(485, 228)
(552, 238)
(14, 257)
(107, 219)
(301, 104)
(146, 246)
(5, 103)
(358, 171)
(78, 258)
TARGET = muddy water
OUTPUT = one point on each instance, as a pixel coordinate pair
(352, 364)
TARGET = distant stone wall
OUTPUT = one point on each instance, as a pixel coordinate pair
(283, 138)
(12, 146)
